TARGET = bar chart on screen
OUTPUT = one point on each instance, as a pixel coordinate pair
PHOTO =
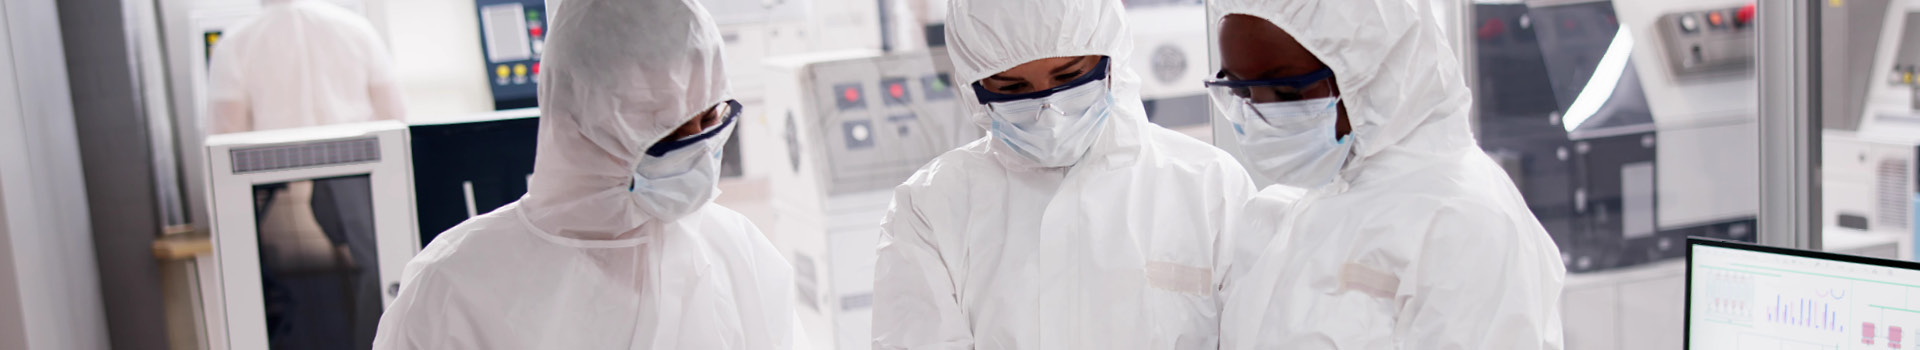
(1746, 300)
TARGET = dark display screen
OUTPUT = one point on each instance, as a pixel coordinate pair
(319, 264)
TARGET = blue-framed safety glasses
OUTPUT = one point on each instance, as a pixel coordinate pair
(731, 112)
(1098, 73)
(1230, 95)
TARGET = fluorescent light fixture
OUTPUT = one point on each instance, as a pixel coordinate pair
(1599, 88)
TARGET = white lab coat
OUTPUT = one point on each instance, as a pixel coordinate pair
(1127, 249)
(577, 264)
(1421, 242)
(300, 63)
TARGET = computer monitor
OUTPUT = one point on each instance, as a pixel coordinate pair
(312, 228)
(470, 165)
(1744, 296)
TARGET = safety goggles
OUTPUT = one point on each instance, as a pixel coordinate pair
(1231, 95)
(987, 97)
(731, 112)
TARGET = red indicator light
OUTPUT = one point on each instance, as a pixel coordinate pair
(1492, 28)
(535, 30)
(1745, 15)
(536, 68)
(851, 94)
(896, 91)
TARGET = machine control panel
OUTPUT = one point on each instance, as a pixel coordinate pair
(1712, 40)
(884, 117)
(512, 33)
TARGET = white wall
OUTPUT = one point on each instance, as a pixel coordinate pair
(436, 50)
(49, 288)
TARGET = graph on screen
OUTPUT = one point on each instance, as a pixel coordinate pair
(1756, 300)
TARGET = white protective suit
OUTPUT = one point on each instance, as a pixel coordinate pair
(576, 264)
(1421, 241)
(1123, 250)
(300, 63)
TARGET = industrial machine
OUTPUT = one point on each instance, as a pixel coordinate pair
(1630, 125)
(512, 33)
(854, 125)
(312, 229)
(1564, 104)
(1871, 135)
(1169, 54)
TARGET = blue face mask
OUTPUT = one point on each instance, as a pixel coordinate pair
(675, 178)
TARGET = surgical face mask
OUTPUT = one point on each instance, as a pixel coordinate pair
(1293, 142)
(1053, 127)
(678, 177)
(1053, 131)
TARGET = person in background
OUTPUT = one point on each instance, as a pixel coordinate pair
(300, 63)
(1387, 228)
(303, 63)
(1075, 224)
(617, 244)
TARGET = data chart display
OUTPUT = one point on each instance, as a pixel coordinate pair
(1750, 297)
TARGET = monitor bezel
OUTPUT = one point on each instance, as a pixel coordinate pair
(1686, 341)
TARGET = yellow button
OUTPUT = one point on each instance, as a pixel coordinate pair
(501, 71)
(520, 70)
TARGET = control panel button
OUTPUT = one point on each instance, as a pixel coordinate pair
(1689, 24)
(1717, 19)
(848, 96)
(858, 134)
(896, 89)
(1745, 16)
(936, 87)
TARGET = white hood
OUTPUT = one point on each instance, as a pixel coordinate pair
(618, 76)
(986, 37)
(1398, 78)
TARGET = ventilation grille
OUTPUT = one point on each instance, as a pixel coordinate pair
(1894, 196)
(306, 155)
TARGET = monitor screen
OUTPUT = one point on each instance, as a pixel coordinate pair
(1742, 296)
(319, 268)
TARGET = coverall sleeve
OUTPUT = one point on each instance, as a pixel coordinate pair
(410, 322)
(915, 302)
(766, 294)
(1485, 280)
(1231, 239)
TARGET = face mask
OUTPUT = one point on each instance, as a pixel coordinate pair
(1292, 142)
(1056, 130)
(671, 185)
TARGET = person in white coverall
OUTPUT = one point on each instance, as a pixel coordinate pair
(1388, 227)
(617, 244)
(300, 63)
(1075, 224)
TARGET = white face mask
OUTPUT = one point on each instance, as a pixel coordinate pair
(1053, 131)
(1292, 143)
(681, 181)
